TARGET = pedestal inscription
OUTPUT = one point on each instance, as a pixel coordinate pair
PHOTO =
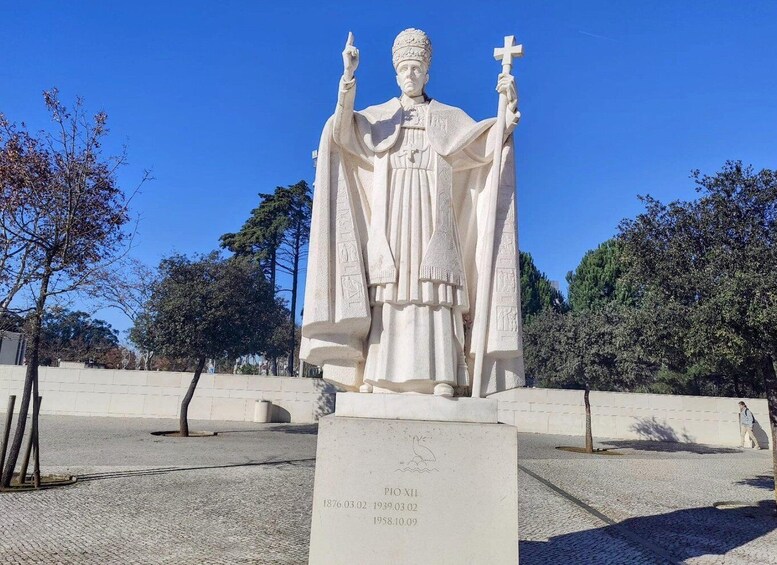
(391, 491)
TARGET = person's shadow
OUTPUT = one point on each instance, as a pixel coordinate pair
(663, 538)
(761, 435)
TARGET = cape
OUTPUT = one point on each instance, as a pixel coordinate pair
(348, 248)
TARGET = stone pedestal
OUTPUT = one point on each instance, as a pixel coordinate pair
(414, 492)
(416, 407)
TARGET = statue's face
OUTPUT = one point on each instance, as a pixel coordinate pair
(412, 76)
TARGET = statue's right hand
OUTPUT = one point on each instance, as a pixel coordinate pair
(350, 58)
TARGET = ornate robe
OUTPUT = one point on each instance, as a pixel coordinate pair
(392, 269)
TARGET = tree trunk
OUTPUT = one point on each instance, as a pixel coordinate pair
(30, 384)
(183, 421)
(6, 430)
(294, 281)
(589, 439)
(770, 384)
(36, 441)
(273, 268)
(274, 366)
(28, 450)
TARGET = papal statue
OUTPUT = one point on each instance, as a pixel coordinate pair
(412, 280)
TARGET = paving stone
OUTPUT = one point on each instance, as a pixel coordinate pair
(244, 497)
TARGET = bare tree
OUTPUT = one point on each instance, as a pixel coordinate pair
(63, 220)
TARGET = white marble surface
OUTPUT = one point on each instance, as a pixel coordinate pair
(409, 492)
(416, 407)
(397, 229)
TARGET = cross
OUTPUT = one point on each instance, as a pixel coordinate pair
(409, 153)
(506, 53)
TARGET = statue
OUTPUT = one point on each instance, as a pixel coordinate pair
(412, 280)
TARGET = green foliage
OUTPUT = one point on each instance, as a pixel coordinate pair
(683, 302)
(208, 307)
(75, 336)
(276, 235)
(275, 230)
(249, 369)
(598, 279)
(714, 262)
(599, 348)
(537, 294)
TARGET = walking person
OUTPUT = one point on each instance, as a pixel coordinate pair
(746, 421)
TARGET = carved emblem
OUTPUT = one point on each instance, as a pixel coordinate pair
(506, 319)
(506, 247)
(347, 252)
(423, 461)
(414, 116)
(440, 123)
(352, 288)
(506, 280)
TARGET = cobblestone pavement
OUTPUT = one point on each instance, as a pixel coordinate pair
(245, 497)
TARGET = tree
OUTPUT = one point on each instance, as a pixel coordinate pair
(537, 293)
(276, 234)
(598, 349)
(75, 336)
(62, 218)
(598, 279)
(126, 288)
(714, 260)
(204, 308)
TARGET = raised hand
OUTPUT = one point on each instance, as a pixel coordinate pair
(350, 58)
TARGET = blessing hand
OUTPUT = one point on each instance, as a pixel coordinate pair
(350, 58)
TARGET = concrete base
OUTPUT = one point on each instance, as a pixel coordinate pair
(416, 407)
(410, 492)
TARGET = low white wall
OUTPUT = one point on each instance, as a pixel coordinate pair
(631, 416)
(153, 394)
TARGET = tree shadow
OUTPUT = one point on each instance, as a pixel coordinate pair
(653, 430)
(669, 447)
(663, 538)
(661, 437)
(167, 470)
(309, 429)
(760, 481)
(305, 429)
(326, 398)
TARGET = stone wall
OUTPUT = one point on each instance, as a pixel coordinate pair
(631, 416)
(153, 394)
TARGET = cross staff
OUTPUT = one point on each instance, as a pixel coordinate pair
(485, 268)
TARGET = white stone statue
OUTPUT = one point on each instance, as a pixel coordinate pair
(413, 202)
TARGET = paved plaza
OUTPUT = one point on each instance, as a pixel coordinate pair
(245, 497)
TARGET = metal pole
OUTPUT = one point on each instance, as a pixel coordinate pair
(7, 430)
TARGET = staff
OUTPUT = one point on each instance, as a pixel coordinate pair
(505, 55)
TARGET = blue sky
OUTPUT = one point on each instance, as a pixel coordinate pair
(223, 100)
